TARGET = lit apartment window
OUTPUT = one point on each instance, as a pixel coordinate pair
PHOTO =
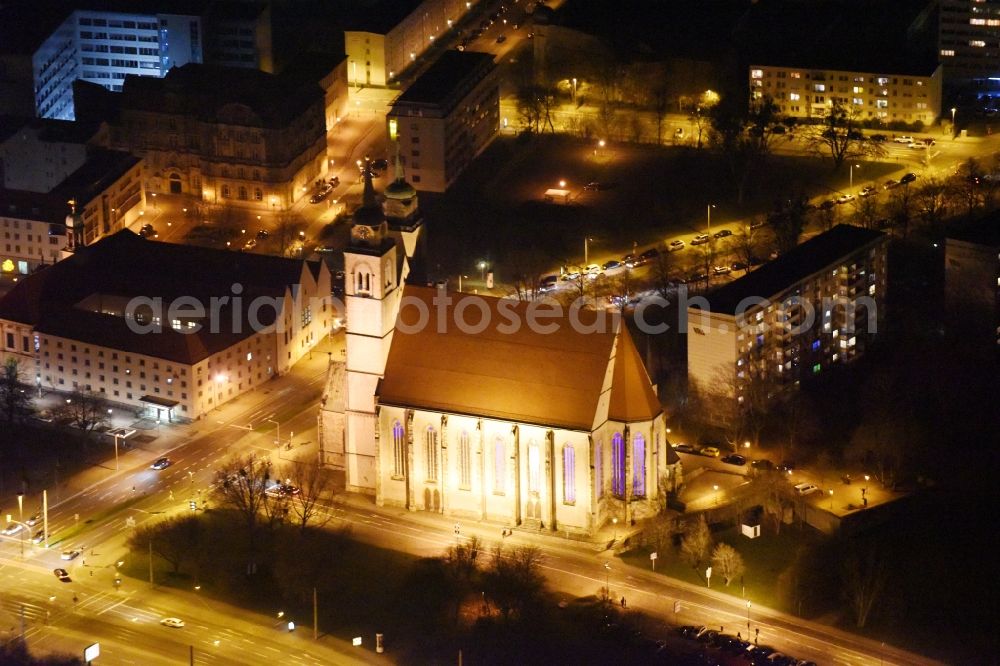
(793, 97)
(819, 87)
(795, 75)
(756, 73)
(858, 89)
(977, 21)
(947, 53)
(977, 43)
(858, 101)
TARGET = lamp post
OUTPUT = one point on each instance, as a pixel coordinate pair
(953, 110)
(708, 217)
(586, 250)
(866, 483)
(831, 499)
(574, 91)
(482, 270)
(607, 580)
(277, 430)
(116, 436)
(853, 167)
(748, 617)
(614, 522)
(716, 489)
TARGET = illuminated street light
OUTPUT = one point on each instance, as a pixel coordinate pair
(614, 521)
(831, 499)
(716, 489)
(853, 167)
(708, 218)
(748, 617)
(953, 109)
(562, 183)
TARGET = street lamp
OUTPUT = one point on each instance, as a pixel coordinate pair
(116, 436)
(831, 499)
(607, 580)
(853, 167)
(748, 617)
(482, 270)
(866, 482)
(574, 90)
(716, 489)
(953, 110)
(586, 250)
(614, 522)
(708, 217)
(277, 433)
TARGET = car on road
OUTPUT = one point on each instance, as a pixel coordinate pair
(845, 198)
(878, 138)
(282, 490)
(262, 235)
(903, 139)
(651, 253)
(161, 463)
(908, 178)
(806, 488)
(250, 244)
(868, 190)
(321, 193)
(501, 39)
(723, 233)
(39, 537)
(762, 465)
(690, 631)
(608, 265)
(683, 448)
(172, 622)
(71, 554)
(890, 184)
(148, 231)
(786, 466)
(676, 245)
(710, 451)
(700, 239)
(721, 270)
(595, 186)
(734, 459)
(31, 521)
(12, 529)
(62, 575)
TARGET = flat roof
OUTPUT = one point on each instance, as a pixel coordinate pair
(382, 17)
(984, 232)
(441, 84)
(102, 168)
(36, 206)
(776, 276)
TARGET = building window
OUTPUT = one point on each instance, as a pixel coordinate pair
(464, 461)
(225, 192)
(569, 474)
(397, 450)
(639, 466)
(499, 466)
(432, 455)
(618, 465)
(599, 468)
(534, 473)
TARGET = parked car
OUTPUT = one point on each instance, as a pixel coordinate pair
(380, 165)
(250, 244)
(786, 466)
(890, 184)
(723, 233)
(928, 141)
(321, 193)
(148, 231)
(501, 39)
(700, 239)
(762, 465)
(608, 265)
(690, 631)
(676, 245)
(593, 269)
(908, 178)
(161, 463)
(71, 554)
(721, 270)
(595, 186)
(737, 266)
(710, 451)
(33, 520)
(878, 138)
(683, 448)
(62, 575)
(570, 276)
(649, 254)
(845, 198)
(548, 283)
(806, 488)
(630, 260)
(868, 190)
(172, 622)
(734, 459)
(903, 139)
(11, 529)
(262, 234)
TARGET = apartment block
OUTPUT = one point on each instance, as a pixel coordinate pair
(37, 154)
(33, 229)
(969, 39)
(890, 96)
(972, 285)
(449, 115)
(815, 307)
(171, 330)
(384, 40)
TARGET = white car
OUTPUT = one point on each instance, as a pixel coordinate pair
(846, 198)
(904, 139)
(700, 239)
(593, 269)
(806, 489)
(721, 270)
(12, 529)
(71, 554)
(676, 245)
(172, 622)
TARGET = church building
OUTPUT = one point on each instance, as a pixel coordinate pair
(448, 407)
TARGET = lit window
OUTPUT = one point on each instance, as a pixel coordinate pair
(599, 468)
(499, 465)
(464, 461)
(793, 96)
(817, 368)
(397, 449)
(534, 471)
(756, 73)
(947, 53)
(432, 454)
(858, 101)
(977, 21)
(819, 87)
(618, 465)
(569, 474)
(249, 356)
(977, 43)
(857, 89)
(795, 75)
(639, 465)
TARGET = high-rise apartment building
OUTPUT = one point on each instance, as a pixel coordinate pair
(972, 285)
(812, 308)
(969, 39)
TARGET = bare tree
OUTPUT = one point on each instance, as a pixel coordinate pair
(15, 397)
(514, 579)
(664, 273)
(865, 571)
(696, 542)
(931, 200)
(314, 483)
(461, 565)
(286, 232)
(866, 211)
(242, 484)
(967, 185)
(526, 266)
(747, 241)
(787, 221)
(176, 540)
(658, 532)
(901, 208)
(840, 137)
(86, 410)
(727, 562)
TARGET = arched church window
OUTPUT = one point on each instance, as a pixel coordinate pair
(618, 465)
(534, 471)
(464, 461)
(599, 468)
(639, 465)
(432, 454)
(499, 466)
(569, 474)
(398, 464)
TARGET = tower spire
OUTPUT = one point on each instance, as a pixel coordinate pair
(368, 198)
(400, 176)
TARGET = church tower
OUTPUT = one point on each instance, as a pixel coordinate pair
(403, 213)
(372, 293)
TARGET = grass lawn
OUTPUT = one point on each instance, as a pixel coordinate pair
(650, 193)
(765, 557)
